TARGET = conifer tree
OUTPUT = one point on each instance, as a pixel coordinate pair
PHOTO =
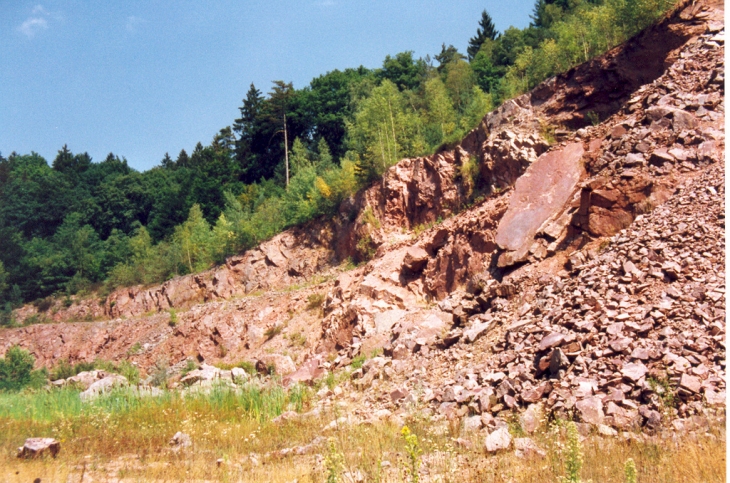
(485, 31)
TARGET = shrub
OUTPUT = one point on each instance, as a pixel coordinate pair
(190, 365)
(366, 247)
(369, 218)
(173, 318)
(297, 339)
(160, 373)
(16, 370)
(469, 173)
(273, 331)
(43, 304)
(315, 301)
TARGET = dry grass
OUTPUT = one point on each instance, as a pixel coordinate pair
(131, 444)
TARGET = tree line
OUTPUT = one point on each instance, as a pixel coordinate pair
(292, 155)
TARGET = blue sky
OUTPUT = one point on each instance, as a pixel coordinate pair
(141, 78)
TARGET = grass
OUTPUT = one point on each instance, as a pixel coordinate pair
(124, 436)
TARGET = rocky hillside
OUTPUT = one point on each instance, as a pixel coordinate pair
(581, 269)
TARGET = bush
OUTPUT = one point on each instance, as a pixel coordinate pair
(273, 331)
(16, 371)
(315, 301)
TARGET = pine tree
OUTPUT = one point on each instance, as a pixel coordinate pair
(167, 162)
(183, 160)
(486, 31)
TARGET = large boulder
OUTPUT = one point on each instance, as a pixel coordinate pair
(540, 195)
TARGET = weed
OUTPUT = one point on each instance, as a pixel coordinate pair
(349, 264)
(43, 304)
(663, 389)
(330, 380)
(573, 457)
(593, 118)
(333, 462)
(515, 426)
(315, 301)
(160, 373)
(414, 453)
(420, 228)
(630, 471)
(358, 361)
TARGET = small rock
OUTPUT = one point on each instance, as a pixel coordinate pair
(527, 448)
(37, 447)
(690, 383)
(181, 440)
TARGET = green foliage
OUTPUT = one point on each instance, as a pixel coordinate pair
(135, 349)
(576, 36)
(16, 371)
(385, 129)
(593, 118)
(413, 450)
(64, 369)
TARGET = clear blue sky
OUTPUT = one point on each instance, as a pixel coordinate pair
(141, 78)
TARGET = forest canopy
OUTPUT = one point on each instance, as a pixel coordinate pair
(293, 154)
